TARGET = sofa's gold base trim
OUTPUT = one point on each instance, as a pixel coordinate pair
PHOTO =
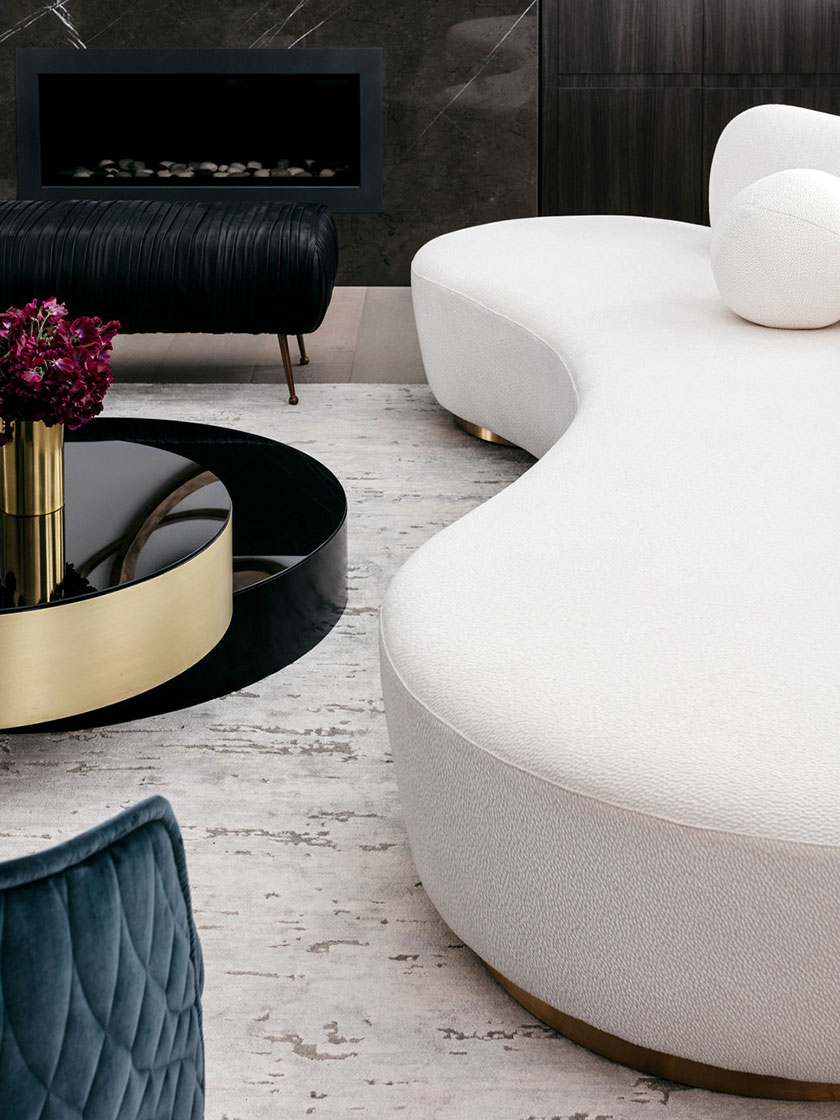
(482, 433)
(698, 1074)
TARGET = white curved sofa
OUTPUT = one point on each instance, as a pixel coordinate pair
(613, 691)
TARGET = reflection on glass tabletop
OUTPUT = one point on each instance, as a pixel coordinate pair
(132, 511)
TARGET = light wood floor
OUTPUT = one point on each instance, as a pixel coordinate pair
(368, 335)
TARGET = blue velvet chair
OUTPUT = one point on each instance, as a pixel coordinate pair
(101, 976)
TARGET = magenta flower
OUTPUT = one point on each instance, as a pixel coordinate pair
(51, 369)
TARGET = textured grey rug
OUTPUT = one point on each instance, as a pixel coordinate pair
(333, 989)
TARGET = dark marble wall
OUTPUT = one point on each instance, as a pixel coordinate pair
(460, 97)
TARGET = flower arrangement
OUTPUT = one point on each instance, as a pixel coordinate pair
(52, 369)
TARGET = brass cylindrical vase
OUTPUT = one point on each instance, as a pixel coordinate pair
(32, 469)
(32, 559)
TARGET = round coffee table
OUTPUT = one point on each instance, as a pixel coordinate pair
(149, 501)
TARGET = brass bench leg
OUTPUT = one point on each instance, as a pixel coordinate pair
(287, 366)
(304, 358)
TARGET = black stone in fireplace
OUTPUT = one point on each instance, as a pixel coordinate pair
(302, 125)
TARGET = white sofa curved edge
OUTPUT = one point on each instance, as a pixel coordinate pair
(612, 709)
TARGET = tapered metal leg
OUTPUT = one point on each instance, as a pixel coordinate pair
(304, 359)
(287, 366)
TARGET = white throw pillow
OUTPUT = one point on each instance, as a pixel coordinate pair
(776, 250)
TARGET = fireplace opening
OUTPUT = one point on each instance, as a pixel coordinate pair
(294, 124)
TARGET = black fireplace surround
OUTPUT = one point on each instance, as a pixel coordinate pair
(299, 125)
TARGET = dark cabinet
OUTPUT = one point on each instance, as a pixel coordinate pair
(771, 36)
(611, 145)
(635, 93)
(628, 36)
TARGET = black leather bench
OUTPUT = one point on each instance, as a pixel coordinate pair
(217, 267)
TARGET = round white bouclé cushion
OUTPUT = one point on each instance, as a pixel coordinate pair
(775, 250)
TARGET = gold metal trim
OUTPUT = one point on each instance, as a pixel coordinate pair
(482, 433)
(32, 469)
(304, 357)
(654, 1062)
(287, 366)
(69, 658)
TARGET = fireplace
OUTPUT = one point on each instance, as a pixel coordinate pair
(299, 125)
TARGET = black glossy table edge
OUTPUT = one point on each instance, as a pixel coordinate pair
(275, 621)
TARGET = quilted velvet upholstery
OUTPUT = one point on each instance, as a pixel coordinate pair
(101, 977)
(173, 266)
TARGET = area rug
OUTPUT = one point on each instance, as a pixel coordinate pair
(332, 989)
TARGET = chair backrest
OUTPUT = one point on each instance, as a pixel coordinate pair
(769, 138)
(101, 977)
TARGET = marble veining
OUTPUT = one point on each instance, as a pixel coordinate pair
(266, 38)
(320, 23)
(474, 77)
(332, 989)
(57, 8)
(460, 97)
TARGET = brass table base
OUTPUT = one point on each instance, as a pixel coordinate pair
(683, 1070)
(63, 659)
(482, 433)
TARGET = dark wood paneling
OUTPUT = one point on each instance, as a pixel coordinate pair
(771, 36)
(628, 151)
(721, 105)
(632, 103)
(628, 81)
(627, 36)
(548, 166)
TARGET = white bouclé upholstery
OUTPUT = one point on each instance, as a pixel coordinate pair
(770, 138)
(612, 690)
(775, 250)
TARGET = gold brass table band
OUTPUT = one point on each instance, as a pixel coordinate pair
(67, 658)
(482, 433)
(654, 1062)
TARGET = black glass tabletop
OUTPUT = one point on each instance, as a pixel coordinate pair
(130, 512)
(133, 511)
(289, 540)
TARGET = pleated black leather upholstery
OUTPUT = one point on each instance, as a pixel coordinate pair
(101, 977)
(250, 267)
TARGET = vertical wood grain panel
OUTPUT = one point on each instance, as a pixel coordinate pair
(627, 36)
(629, 151)
(547, 155)
(634, 93)
(771, 36)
